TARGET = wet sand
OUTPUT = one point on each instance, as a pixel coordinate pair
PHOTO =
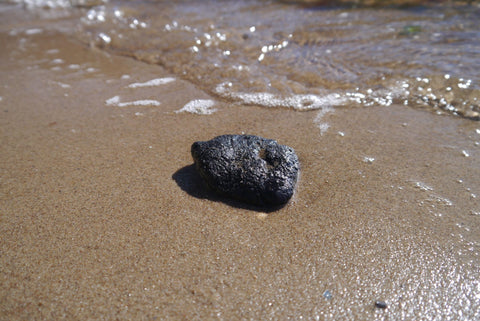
(101, 216)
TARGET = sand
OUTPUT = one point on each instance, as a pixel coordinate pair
(102, 216)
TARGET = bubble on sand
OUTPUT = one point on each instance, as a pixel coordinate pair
(433, 199)
(95, 15)
(442, 200)
(57, 61)
(105, 38)
(153, 82)
(112, 101)
(368, 160)
(63, 85)
(145, 102)
(115, 101)
(323, 126)
(199, 107)
(423, 186)
(33, 31)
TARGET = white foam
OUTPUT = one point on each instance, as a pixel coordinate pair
(323, 126)
(368, 160)
(199, 107)
(115, 101)
(106, 38)
(146, 102)
(112, 101)
(33, 31)
(63, 85)
(57, 61)
(423, 186)
(44, 3)
(153, 82)
(298, 102)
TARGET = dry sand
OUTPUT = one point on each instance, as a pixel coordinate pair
(102, 217)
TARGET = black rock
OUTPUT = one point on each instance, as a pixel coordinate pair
(249, 168)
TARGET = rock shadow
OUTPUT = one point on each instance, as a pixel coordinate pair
(188, 179)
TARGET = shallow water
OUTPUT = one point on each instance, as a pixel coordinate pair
(285, 54)
(276, 54)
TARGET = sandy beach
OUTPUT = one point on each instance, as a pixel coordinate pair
(103, 218)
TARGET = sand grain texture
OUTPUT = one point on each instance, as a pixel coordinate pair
(94, 223)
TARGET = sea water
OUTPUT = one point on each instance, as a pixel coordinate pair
(301, 54)
(278, 54)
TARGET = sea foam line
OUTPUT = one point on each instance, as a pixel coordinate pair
(298, 102)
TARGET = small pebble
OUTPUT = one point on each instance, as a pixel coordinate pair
(381, 304)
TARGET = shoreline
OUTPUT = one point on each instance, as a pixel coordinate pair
(93, 224)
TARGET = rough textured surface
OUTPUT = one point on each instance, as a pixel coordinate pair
(248, 168)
